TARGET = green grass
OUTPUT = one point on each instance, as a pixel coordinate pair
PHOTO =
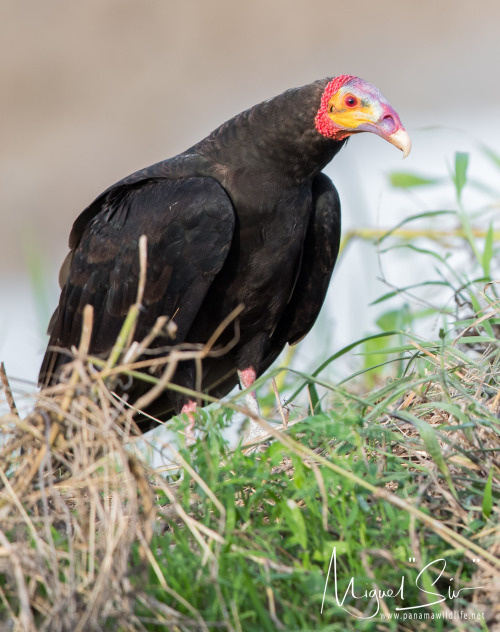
(395, 468)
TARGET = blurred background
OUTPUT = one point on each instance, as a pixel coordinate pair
(94, 90)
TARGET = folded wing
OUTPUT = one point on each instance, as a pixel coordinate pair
(189, 224)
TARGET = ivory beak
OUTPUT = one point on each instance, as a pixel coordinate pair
(401, 140)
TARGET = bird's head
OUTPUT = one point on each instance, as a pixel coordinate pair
(350, 105)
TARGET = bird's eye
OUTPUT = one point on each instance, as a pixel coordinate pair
(350, 101)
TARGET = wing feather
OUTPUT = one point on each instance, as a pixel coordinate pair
(189, 224)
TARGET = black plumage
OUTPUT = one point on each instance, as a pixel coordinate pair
(243, 217)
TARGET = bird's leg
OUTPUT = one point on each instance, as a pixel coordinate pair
(185, 376)
(247, 378)
(189, 409)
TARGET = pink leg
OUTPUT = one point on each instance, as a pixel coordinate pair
(247, 378)
(189, 409)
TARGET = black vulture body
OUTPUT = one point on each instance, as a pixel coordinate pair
(243, 217)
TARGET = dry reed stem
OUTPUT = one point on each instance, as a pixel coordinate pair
(7, 390)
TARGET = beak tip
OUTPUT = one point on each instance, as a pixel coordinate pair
(401, 140)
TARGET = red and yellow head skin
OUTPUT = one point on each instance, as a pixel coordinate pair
(350, 105)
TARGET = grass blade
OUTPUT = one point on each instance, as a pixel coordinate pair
(407, 180)
(488, 250)
(488, 496)
(460, 175)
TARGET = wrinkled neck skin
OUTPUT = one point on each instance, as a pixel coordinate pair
(277, 136)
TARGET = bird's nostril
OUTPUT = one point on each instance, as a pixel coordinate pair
(388, 122)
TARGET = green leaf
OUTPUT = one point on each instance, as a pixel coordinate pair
(488, 250)
(460, 178)
(393, 293)
(297, 523)
(477, 309)
(315, 402)
(299, 475)
(341, 546)
(406, 180)
(412, 218)
(393, 350)
(422, 251)
(363, 505)
(488, 496)
(334, 357)
(474, 340)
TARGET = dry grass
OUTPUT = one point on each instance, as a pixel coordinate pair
(76, 502)
(75, 496)
(66, 472)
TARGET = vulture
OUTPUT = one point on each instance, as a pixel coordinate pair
(243, 218)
